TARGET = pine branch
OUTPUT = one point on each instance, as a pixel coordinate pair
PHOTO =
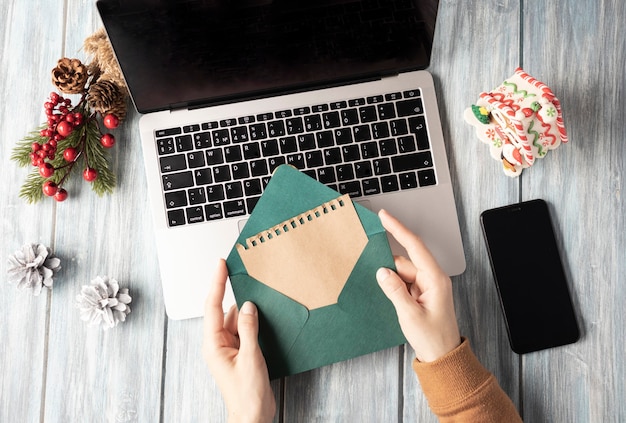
(21, 152)
(98, 158)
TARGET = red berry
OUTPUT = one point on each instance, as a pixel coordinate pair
(61, 195)
(111, 121)
(107, 140)
(78, 118)
(35, 147)
(64, 128)
(49, 188)
(69, 154)
(46, 170)
(90, 174)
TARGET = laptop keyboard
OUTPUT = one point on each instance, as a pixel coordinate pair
(361, 147)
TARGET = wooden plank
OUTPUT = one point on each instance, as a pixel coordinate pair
(189, 392)
(115, 375)
(364, 389)
(577, 48)
(475, 50)
(23, 322)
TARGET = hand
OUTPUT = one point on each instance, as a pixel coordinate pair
(421, 292)
(231, 350)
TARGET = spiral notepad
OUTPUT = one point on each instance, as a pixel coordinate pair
(308, 258)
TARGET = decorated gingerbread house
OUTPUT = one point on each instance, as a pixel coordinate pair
(520, 120)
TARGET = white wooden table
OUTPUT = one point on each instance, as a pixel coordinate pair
(54, 368)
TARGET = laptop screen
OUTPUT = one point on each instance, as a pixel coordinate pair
(191, 53)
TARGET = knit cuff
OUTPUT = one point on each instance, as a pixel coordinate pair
(452, 378)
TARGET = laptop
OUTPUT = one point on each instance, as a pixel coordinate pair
(229, 90)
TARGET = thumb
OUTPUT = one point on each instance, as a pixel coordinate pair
(395, 289)
(248, 327)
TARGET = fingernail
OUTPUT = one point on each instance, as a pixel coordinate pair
(248, 308)
(382, 274)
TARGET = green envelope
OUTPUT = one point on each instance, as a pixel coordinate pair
(338, 322)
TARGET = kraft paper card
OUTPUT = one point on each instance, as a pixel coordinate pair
(307, 257)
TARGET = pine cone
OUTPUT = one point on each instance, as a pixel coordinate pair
(33, 267)
(103, 302)
(70, 76)
(106, 97)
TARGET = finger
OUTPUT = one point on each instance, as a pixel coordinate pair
(405, 269)
(230, 321)
(248, 328)
(395, 289)
(213, 311)
(414, 246)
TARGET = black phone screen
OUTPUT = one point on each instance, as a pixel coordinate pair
(529, 276)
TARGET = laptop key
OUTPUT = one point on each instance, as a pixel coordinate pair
(175, 199)
(214, 156)
(326, 175)
(417, 126)
(363, 170)
(409, 107)
(331, 120)
(344, 172)
(306, 142)
(362, 133)
(202, 140)
(213, 211)
(258, 131)
(195, 214)
(371, 186)
(269, 148)
(166, 146)
(276, 128)
(195, 159)
(203, 176)
(314, 158)
(197, 196)
(173, 163)
(426, 177)
(252, 187)
(411, 161)
(240, 170)
(343, 136)
(288, 145)
(176, 217)
(234, 208)
(332, 156)
(221, 137)
(215, 193)
(382, 166)
(388, 147)
(258, 168)
(221, 173)
(294, 125)
(232, 153)
(351, 153)
(184, 143)
(296, 160)
(352, 188)
(251, 203)
(251, 150)
(167, 132)
(233, 190)
(274, 162)
(408, 180)
(389, 183)
(173, 181)
(239, 134)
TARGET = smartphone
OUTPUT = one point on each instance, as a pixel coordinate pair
(529, 276)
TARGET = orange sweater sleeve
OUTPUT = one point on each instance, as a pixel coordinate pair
(460, 389)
